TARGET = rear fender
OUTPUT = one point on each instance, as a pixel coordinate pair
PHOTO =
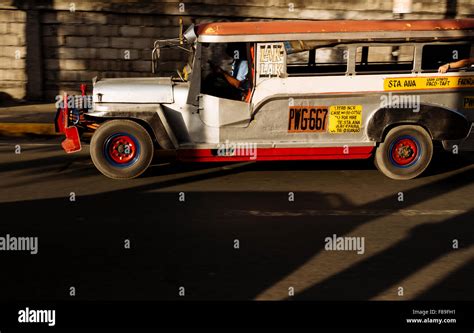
(441, 123)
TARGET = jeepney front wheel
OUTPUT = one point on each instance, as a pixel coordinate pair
(405, 152)
(121, 149)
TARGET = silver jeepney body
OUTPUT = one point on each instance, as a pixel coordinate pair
(196, 121)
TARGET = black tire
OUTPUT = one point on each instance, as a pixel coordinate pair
(405, 152)
(121, 149)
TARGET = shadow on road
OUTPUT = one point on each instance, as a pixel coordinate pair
(424, 245)
(456, 286)
(191, 243)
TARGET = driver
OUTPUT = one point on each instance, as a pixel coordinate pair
(231, 85)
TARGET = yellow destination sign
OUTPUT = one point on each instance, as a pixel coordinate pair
(437, 82)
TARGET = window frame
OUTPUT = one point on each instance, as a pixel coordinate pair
(312, 61)
(420, 46)
(358, 45)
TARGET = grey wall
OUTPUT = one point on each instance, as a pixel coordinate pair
(45, 48)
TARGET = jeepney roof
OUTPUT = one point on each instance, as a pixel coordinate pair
(334, 29)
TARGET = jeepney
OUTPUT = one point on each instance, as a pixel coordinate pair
(316, 90)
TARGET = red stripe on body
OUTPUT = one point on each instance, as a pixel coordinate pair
(278, 154)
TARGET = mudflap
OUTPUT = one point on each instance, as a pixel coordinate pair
(72, 143)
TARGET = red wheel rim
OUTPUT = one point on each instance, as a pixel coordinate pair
(122, 149)
(404, 151)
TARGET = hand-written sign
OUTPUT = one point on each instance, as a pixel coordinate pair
(271, 60)
(345, 118)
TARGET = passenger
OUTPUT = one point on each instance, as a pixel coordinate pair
(458, 64)
(231, 85)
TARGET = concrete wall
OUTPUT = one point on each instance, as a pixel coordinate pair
(13, 77)
(47, 46)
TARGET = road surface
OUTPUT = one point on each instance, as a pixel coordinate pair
(232, 231)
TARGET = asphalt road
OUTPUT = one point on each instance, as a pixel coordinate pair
(191, 243)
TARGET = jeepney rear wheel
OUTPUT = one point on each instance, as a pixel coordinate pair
(121, 149)
(405, 152)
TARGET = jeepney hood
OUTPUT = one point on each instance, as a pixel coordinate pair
(134, 90)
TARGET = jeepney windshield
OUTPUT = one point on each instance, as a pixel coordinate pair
(186, 43)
